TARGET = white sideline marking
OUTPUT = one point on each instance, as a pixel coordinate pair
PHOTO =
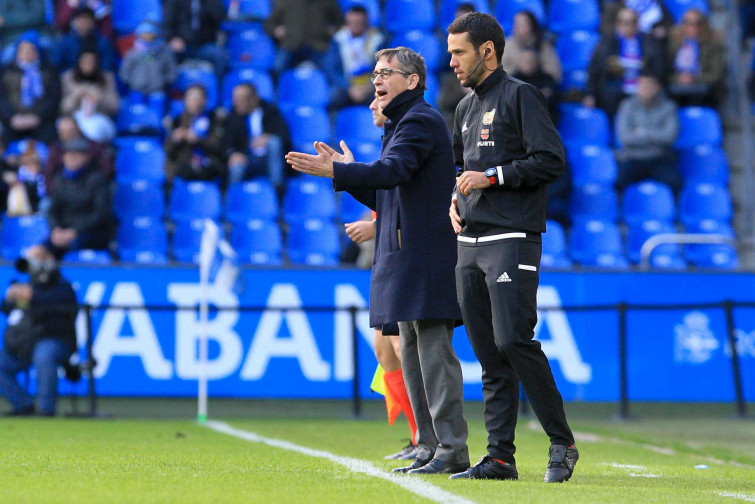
(416, 486)
(643, 471)
(744, 497)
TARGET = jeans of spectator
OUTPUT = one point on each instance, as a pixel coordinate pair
(662, 169)
(155, 101)
(48, 355)
(263, 164)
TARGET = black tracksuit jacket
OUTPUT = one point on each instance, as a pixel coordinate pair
(505, 122)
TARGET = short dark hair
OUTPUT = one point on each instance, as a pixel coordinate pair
(408, 60)
(358, 8)
(198, 87)
(481, 28)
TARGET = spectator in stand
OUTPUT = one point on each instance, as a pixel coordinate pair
(355, 45)
(80, 210)
(148, 67)
(653, 18)
(697, 62)
(193, 146)
(192, 28)
(66, 11)
(529, 71)
(256, 138)
(89, 86)
(303, 30)
(616, 63)
(102, 155)
(29, 94)
(451, 91)
(16, 18)
(647, 126)
(528, 34)
(84, 33)
(22, 184)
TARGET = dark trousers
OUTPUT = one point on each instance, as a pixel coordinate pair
(497, 291)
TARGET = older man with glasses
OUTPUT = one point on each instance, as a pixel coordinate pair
(415, 254)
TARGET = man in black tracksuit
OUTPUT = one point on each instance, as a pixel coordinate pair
(509, 150)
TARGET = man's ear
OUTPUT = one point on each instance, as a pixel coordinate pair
(413, 81)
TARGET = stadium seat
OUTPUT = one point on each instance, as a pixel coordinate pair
(88, 256)
(308, 197)
(701, 201)
(127, 14)
(648, 200)
(593, 201)
(406, 15)
(677, 8)
(575, 49)
(506, 9)
(718, 256)
(366, 152)
(554, 247)
(433, 88)
(448, 11)
(304, 85)
(252, 199)
(194, 200)
(704, 163)
(257, 241)
(19, 147)
(204, 76)
(597, 243)
(351, 209)
(249, 46)
(698, 126)
(583, 125)
(19, 233)
(569, 15)
(354, 124)
(308, 124)
(667, 256)
(139, 158)
(250, 10)
(591, 163)
(142, 240)
(374, 12)
(138, 119)
(138, 198)
(314, 242)
(260, 78)
(423, 42)
(187, 237)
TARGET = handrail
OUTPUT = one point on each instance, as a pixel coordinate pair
(678, 238)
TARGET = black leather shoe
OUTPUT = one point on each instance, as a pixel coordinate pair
(561, 463)
(416, 464)
(487, 468)
(436, 466)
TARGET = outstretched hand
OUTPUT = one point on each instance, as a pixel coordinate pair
(320, 165)
(346, 157)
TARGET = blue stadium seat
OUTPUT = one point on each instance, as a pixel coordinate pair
(374, 12)
(575, 49)
(677, 8)
(354, 124)
(308, 124)
(249, 46)
(405, 15)
(304, 85)
(127, 14)
(554, 247)
(257, 241)
(448, 10)
(251, 199)
(187, 238)
(583, 125)
(702, 201)
(648, 200)
(138, 119)
(433, 88)
(593, 201)
(591, 163)
(704, 163)
(308, 197)
(204, 76)
(569, 15)
(142, 240)
(698, 126)
(366, 152)
(351, 209)
(138, 198)
(260, 78)
(597, 243)
(425, 43)
(88, 256)
(20, 233)
(194, 200)
(139, 158)
(505, 10)
(718, 256)
(252, 10)
(19, 147)
(666, 256)
(314, 242)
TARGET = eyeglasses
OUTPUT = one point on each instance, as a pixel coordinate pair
(385, 73)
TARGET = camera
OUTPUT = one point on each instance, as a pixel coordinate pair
(39, 271)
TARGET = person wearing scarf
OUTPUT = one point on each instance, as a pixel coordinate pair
(149, 67)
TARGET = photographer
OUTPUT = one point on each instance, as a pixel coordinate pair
(40, 331)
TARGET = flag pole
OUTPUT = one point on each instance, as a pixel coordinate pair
(210, 236)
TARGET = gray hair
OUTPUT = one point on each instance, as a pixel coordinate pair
(408, 61)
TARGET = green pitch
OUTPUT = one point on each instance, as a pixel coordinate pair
(165, 460)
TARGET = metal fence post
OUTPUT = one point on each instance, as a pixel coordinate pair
(737, 374)
(356, 398)
(90, 361)
(623, 393)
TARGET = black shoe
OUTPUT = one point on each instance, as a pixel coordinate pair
(487, 468)
(561, 463)
(27, 411)
(437, 466)
(416, 464)
(408, 452)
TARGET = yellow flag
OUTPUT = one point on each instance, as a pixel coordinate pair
(378, 383)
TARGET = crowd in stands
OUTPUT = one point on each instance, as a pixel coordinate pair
(125, 123)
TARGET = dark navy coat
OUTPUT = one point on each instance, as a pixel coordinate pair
(410, 187)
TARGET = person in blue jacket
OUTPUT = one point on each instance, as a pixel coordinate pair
(413, 269)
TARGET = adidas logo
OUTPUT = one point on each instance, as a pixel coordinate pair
(503, 278)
